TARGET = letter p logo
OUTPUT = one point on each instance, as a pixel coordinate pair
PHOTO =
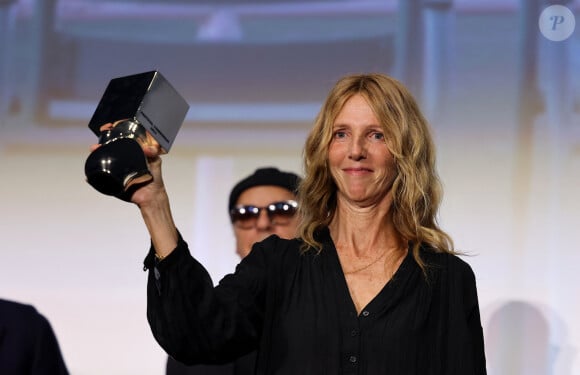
(556, 20)
(557, 23)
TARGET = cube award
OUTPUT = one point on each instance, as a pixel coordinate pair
(144, 108)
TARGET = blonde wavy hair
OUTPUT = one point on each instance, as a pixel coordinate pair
(416, 190)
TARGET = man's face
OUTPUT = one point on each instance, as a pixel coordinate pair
(247, 233)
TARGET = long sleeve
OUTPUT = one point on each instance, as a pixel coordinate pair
(196, 322)
(463, 331)
(474, 323)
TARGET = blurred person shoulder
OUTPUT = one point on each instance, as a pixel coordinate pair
(28, 344)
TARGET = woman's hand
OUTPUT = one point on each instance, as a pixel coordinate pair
(154, 189)
(143, 189)
(151, 198)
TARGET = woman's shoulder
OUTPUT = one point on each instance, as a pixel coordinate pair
(449, 261)
(449, 270)
(275, 246)
(272, 257)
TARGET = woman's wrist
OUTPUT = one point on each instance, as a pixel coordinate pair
(159, 221)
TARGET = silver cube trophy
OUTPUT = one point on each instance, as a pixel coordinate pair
(143, 107)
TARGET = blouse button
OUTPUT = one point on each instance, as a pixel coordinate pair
(365, 313)
(352, 359)
(354, 332)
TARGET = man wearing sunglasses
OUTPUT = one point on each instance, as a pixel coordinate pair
(262, 204)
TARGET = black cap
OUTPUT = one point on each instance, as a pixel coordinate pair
(269, 176)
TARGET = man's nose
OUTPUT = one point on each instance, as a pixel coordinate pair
(263, 221)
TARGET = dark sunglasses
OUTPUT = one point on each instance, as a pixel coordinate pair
(279, 213)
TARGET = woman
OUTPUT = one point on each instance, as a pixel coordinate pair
(370, 286)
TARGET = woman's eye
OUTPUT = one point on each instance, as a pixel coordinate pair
(339, 134)
(378, 136)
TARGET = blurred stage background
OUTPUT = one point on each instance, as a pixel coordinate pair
(503, 100)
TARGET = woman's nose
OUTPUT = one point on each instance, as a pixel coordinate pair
(358, 149)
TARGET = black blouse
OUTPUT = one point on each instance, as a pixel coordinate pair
(296, 310)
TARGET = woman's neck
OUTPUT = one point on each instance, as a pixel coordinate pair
(365, 230)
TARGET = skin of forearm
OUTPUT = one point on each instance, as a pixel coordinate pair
(159, 221)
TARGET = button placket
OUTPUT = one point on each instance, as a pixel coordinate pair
(351, 349)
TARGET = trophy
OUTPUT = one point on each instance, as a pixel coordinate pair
(144, 108)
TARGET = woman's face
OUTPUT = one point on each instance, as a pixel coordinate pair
(360, 162)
